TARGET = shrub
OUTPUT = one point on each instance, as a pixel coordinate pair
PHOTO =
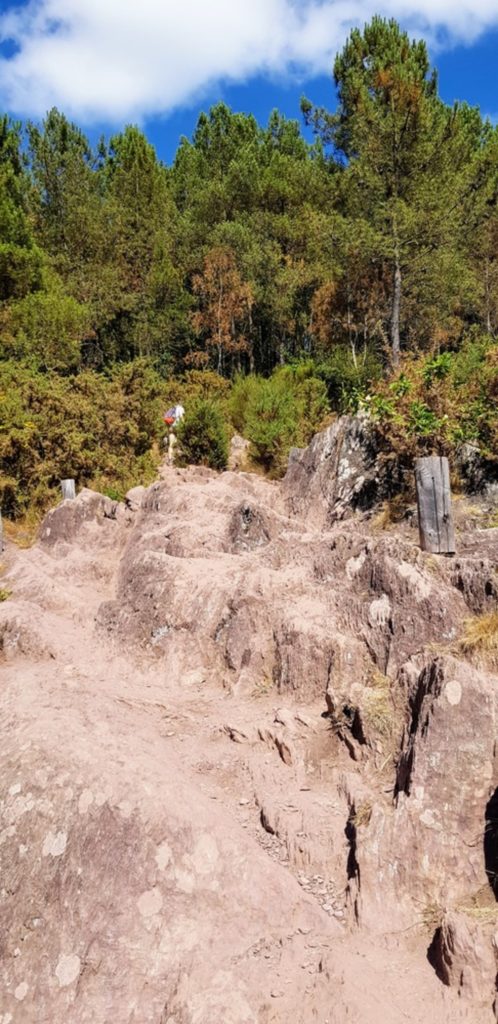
(202, 436)
(348, 382)
(47, 329)
(271, 425)
(102, 430)
(244, 390)
(438, 401)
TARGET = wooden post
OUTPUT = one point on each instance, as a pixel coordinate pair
(435, 522)
(68, 488)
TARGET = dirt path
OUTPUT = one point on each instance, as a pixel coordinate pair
(124, 765)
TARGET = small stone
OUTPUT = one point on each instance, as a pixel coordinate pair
(244, 801)
(277, 993)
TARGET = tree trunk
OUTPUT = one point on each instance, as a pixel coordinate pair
(487, 294)
(395, 311)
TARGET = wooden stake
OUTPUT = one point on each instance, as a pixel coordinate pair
(68, 488)
(435, 521)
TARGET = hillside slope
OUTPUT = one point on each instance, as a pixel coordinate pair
(246, 773)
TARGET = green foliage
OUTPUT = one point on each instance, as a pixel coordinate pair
(300, 272)
(201, 384)
(279, 413)
(99, 430)
(271, 425)
(46, 328)
(438, 401)
(202, 436)
(244, 390)
(347, 380)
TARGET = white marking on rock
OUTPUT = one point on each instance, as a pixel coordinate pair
(185, 880)
(163, 856)
(379, 611)
(420, 585)
(453, 692)
(68, 969)
(354, 565)
(16, 788)
(54, 845)
(21, 991)
(428, 818)
(150, 902)
(205, 856)
(344, 470)
(85, 801)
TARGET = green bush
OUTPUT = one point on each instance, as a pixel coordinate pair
(102, 430)
(47, 328)
(202, 437)
(244, 390)
(435, 402)
(271, 425)
(348, 382)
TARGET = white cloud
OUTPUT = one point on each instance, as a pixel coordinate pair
(120, 59)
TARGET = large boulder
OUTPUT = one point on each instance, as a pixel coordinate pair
(343, 469)
(464, 957)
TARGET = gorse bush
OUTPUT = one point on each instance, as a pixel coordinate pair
(202, 437)
(278, 413)
(270, 425)
(101, 430)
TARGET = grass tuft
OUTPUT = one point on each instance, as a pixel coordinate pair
(377, 706)
(480, 638)
(362, 814)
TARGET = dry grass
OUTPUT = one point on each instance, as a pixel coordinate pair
(263, 687)
(480, 906)
(391, 512)
(492, 521)
(377, 707)
(5, 594)
(22, 532)
(362, 814)
(479, 640)
(432, 916)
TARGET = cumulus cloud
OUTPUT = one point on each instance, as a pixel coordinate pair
(120, 59)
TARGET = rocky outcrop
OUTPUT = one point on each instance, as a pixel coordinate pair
(91, 515)
(343, 469)
(349, 466)
(479, 475)
(263, 773)
(463, 954)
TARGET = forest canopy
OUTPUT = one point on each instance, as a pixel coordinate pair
(373, 245)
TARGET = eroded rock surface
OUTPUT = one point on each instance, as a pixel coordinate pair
(247, 775)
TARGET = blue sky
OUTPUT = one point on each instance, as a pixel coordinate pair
(158, 63)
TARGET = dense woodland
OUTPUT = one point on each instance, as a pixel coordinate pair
(274, 279)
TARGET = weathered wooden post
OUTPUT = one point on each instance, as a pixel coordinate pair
(435, 521)
(68, 488)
